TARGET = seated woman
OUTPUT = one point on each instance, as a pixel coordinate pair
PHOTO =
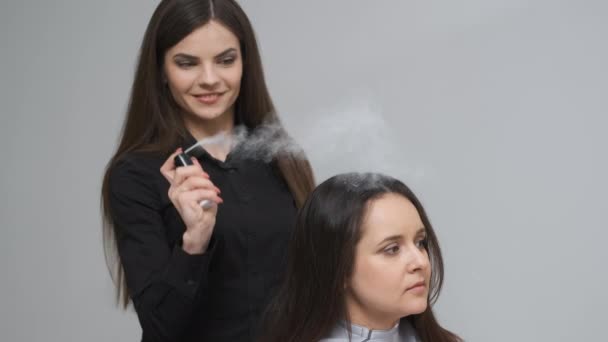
(364, 265)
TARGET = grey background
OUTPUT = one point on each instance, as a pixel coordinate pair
(494, 111)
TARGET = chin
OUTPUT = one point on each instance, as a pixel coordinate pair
(415, 307)
(209, 114)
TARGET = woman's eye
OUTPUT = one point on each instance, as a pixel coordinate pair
(422, 243)
(184, 65)
(227, 61)
(392, 250)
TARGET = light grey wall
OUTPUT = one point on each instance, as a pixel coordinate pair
(494, 111)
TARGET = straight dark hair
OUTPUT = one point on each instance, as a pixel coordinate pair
(312, 299)
(154, 121)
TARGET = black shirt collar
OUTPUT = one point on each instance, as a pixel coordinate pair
(203, 156)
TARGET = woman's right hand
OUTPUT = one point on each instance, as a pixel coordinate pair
(189, 185)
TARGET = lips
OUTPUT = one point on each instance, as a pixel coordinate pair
(209, 98)
(419, 286)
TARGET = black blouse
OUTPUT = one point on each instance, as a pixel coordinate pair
(216, 296)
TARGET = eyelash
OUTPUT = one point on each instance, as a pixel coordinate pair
(184, 65)
(393, 250)
(226, 61)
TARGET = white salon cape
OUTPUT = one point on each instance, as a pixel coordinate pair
(402, 332)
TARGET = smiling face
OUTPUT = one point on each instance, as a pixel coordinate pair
(203, 72)
(392, 271)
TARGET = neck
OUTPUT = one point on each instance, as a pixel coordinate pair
(203, 129)
(374, 324)
(359, 315)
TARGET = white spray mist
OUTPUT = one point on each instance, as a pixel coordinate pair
(351, 137)
(355, 136)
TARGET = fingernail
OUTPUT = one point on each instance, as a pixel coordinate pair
(218, 190)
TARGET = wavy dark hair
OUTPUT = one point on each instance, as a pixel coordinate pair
(312, 299)
(154, 121)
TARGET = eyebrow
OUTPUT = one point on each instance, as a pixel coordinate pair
(391, 238)
(194, 58)
(400, 237)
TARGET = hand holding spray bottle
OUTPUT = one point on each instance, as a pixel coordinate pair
(184, 159)
(196, 151)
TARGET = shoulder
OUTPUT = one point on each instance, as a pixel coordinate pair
(136, 173)
(339, 334)
(138, 162)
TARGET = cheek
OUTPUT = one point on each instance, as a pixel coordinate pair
(378, 278)
(427, 270)
(234, 77)
(181, 82)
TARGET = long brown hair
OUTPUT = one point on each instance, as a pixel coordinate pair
(312, 299)
(154, 120)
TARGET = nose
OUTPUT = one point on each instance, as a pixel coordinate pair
(417, 260)
(208, 77)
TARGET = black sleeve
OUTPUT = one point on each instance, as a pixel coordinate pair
(165, 283)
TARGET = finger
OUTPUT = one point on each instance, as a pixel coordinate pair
(168, 167)
(203, 195)
(197, 182)
(191, 183)
(183, 172)
(195, 197)
(196, 162)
